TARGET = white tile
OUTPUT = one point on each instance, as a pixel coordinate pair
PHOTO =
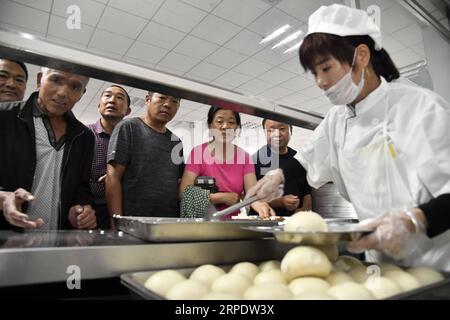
(207, 71)
(254, 86)
(195, 47)
(241, 12)
(274, 57)
(110, 42)
(271, 21)
(292, 65)
(419, 49)
(58, 29)
(142, 8)
(405, 57)
(232, 78)
(409, 36)
(215, 29)
(396, 18)
(314, 104)
(146, 52)
(276, 76)
(168, 70)
(312, 92)
(294, 99)
(246, 42)
(19, 15)
(252, 67)
(302, 9)
(226, 58)
(179, 61)
(391, 45)
(139, 93)
(103, 53)
(65, 42)
(196, 78)
(91, 11)
(179, 15)
(206, 5)
(297, 83)
(276, 93)
(122, 23)
(161, 36)
(138, 62)
(95, 84)
(44, 5)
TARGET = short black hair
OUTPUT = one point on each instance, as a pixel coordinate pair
(265, 119)
(214, 109)
(123, 89)
(20, 63)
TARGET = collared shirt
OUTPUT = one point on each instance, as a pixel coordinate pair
(47, 179)
(99, 161)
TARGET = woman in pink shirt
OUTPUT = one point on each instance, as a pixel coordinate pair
(230, 165)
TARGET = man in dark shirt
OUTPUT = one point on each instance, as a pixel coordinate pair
(145, 162)
(114, 105)
(277, 154)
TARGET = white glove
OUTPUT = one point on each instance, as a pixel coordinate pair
(269, 187)
(391, 236)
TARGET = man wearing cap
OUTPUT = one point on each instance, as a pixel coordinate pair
(384, 143)
(114, 105)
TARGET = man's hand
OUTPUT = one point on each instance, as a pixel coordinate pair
(290, 202)
(263, 209)
(12, 209)
(82, 217)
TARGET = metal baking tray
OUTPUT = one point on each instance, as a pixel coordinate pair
(135, 281)
(189, 229)
(336, 232)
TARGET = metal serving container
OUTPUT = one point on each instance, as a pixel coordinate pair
(338, 230)
(187, 229)
(135, 283)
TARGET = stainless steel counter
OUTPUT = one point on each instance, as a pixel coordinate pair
(44, 257)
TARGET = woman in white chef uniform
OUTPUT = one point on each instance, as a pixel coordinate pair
(385, 144)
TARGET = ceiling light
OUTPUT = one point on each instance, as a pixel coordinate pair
(275, 34)
(294, 47)
(288, 39)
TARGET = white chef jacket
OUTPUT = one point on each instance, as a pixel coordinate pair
(418, 125)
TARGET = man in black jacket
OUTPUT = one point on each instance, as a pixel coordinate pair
(46, 157)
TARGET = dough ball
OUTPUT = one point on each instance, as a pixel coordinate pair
(271, 276)
(187, 290)
(425, 275)
(382, 287)
(337, 277)
(307, 285)
(305, 221)
(350, 291)
(161, 281)
(331, 251)
(305, 261)
(404, 280)
(270, 265)
(346, 263)
(233, 283)
(268, 291)
(221, 296)
(385, 267)
(207, 274)
(359, 274)
(247, 269)
(314, 296)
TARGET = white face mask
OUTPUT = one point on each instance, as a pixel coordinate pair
(345, 91)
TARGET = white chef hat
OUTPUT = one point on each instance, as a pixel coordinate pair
(344, 21)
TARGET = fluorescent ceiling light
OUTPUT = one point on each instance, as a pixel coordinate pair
(275, 34)
(294, 47)
(289, 38)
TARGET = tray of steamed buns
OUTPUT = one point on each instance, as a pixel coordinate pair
(308, 227)
(304, 273)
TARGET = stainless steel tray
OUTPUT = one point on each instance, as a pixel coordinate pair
(135, 281)
(185, 229)
(336, 232)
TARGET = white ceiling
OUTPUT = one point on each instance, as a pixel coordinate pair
(212, 41)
